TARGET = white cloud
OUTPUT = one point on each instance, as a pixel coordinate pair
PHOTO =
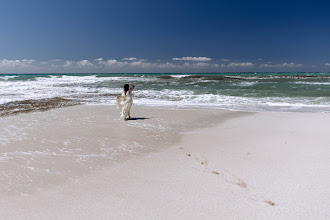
(68, 63)
(84, 63)
(19, 66)
(137, 63)
(167, 65)
(327, 64)
(200, 59)
(27, 61)
(109, 62)
(130, 58)
(244, 64)
(12, 63)
(265, 65)
(292, 65)
(200, 65)
(129, 66)
(133, 65)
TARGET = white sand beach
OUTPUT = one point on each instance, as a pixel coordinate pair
(84, 162)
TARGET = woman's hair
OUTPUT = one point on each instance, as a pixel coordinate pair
(126, 88)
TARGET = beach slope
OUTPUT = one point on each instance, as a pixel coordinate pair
(212, 164)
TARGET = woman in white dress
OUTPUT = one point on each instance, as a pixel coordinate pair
(125, 101)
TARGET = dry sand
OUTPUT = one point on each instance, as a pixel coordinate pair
(178, 164)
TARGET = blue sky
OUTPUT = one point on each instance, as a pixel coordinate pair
(163, 36)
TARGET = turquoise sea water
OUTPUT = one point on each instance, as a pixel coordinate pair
(235, 91)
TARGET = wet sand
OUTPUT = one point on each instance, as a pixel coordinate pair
(83, 162)
(25, 106)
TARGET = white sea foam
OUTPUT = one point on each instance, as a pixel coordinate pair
(179, 76)
(313, 83)
(7, 77)
(246, 83)
(187, 98)
(50, 87)
(237, 103)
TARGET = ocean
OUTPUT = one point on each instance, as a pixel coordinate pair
(253, 92)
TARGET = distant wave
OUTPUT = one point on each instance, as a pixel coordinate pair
(7, 77)
(313, 83)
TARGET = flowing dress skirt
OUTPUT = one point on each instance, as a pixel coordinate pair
(124, 104)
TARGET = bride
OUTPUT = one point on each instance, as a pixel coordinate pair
(125, 101)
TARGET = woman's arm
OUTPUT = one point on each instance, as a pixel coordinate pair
(132, 86)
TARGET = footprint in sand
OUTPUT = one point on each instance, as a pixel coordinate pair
(203, 162)
(270, 203)
(241, 183)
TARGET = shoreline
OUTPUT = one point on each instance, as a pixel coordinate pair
(229, 165)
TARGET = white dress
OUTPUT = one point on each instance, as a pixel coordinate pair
(124, 103)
